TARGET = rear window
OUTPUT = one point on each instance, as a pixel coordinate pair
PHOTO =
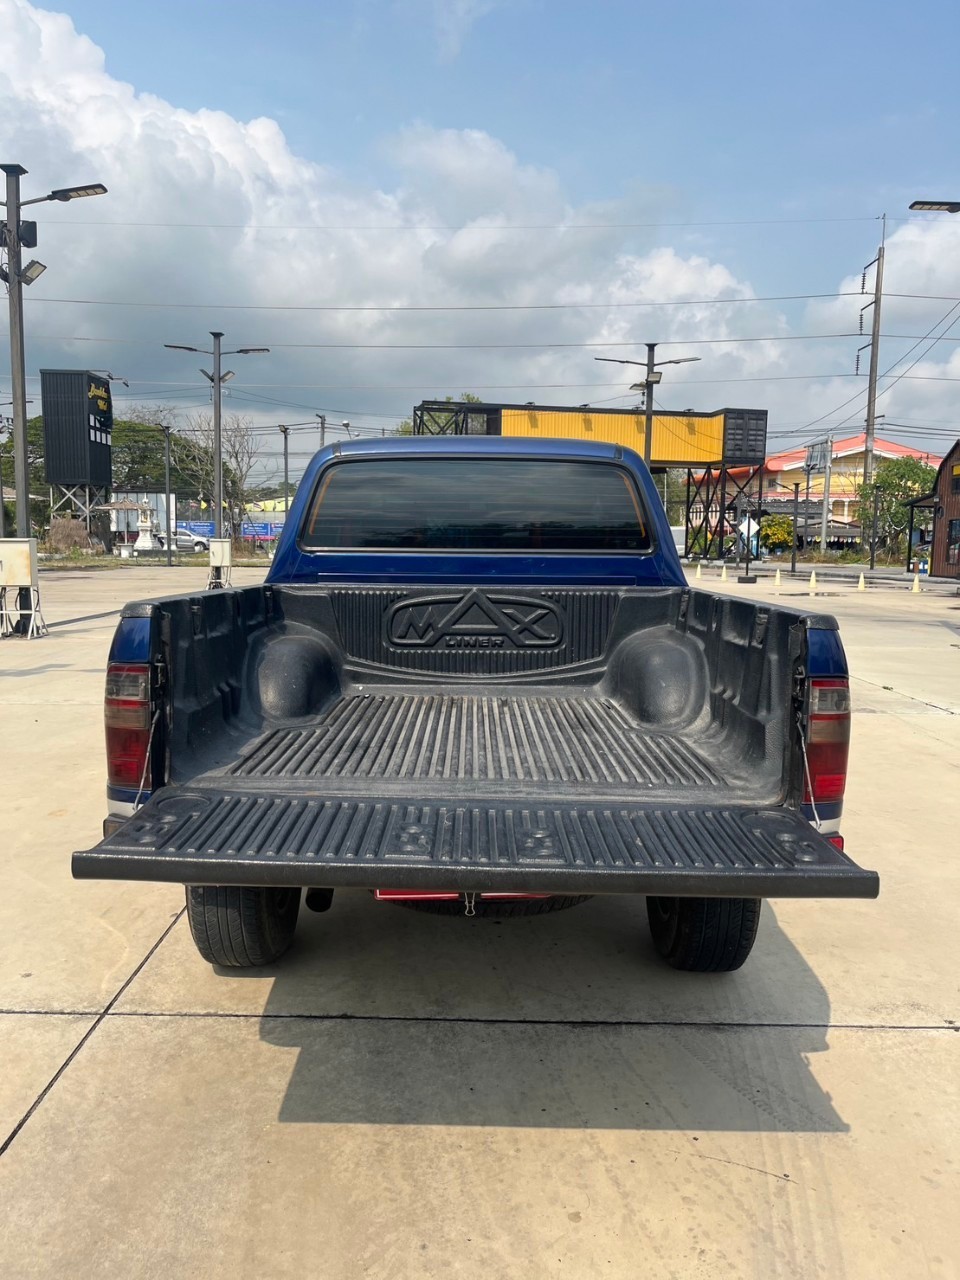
(472, 504)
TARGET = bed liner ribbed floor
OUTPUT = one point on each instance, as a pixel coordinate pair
(467, 738)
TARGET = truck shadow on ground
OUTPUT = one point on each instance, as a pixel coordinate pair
(563, 1021)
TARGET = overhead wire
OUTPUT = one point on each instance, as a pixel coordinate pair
(473, 226)
(860, 394)
(416, 307)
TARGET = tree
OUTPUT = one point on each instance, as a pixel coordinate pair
(193, 455)
(443, 422)
(897, 480)
(138, 449)
(776, 532)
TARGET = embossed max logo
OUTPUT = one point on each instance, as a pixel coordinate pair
(477, 620)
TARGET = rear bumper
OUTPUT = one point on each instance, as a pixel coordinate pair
(193, 836)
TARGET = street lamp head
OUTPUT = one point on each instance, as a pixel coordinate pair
(208, 376)
(78, 193)
(32, 271)
(173, 346)
(680, 360)
(252, 351)
(227, 375)
(936, 206)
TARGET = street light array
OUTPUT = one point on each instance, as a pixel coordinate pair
(15, 235)
(650, 381)
(936, 206)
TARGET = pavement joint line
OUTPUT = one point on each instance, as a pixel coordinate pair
(41, 1096)
(677, 1023)
(890, 689)
(89, 617)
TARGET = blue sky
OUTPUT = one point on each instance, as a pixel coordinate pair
(725, 111)
(780, 131)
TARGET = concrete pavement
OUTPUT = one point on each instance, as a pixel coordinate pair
(413, 1096)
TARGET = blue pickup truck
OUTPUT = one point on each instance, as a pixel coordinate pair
(476, 680)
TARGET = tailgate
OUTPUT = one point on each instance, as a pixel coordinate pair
(232, 836)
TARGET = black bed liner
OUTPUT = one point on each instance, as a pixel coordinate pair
(466, 738)
(550, 743)
(202, 836)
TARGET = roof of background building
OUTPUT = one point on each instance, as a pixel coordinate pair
(850, 446)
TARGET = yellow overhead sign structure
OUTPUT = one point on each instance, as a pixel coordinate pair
(679, 439)
(725, 437)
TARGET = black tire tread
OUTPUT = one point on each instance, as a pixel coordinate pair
(238, 927)
(707, 935)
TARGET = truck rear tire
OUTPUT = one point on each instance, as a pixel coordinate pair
(704, 935)
(241, 928)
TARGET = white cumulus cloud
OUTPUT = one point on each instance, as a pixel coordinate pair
(219, 216)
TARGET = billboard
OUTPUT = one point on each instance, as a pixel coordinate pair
(77, 427)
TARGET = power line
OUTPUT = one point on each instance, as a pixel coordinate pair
(405, 307)
(860, 394)
(485, 227)
(510, 346)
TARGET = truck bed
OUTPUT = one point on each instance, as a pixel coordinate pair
(547, 747)
(577, 741)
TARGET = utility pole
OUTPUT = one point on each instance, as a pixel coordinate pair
(3, 514)
(285, 432)
(873, 536)
(216, 380)
(166, 496)
(796, 504)
(874, 360)
(806, 508)
(323, 427)
(825, 514)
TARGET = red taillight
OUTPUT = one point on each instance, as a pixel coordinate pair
(828, 740)
(127, 716)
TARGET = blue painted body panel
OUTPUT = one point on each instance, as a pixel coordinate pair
(132, 641)
(659, 567)
(825, 655)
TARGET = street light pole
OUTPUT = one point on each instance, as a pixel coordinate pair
(652, 379)
(648, 405)
(14, 276)
(285, 432)
(217, 438)
(18, 380)
(166, 467)
(825, 513)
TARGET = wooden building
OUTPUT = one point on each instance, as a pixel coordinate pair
(944, 501)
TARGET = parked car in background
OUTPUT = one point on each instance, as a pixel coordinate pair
(184, 540)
